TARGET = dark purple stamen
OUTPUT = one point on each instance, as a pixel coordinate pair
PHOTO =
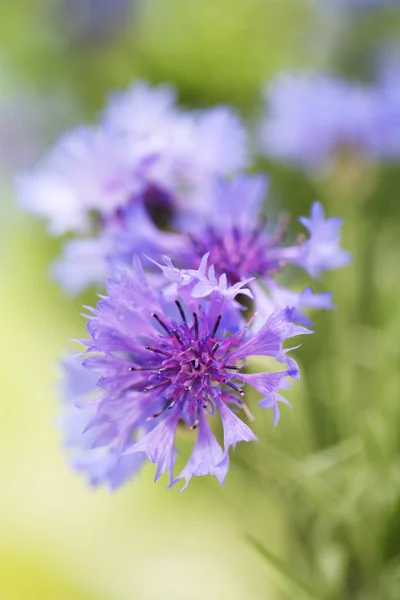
(196, 326)
(196, 421)
(179, 305)
(217, 322)
(234, 387)
(157, 414)
(155, 386)
(214, 349)
(152, 368)
(178, 337)
(156, 350)
(163, 325)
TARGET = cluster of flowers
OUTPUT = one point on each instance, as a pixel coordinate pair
(166, 211)
(309, 118)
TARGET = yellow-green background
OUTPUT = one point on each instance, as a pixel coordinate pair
(321, 493)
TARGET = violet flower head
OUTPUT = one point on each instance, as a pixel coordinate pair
(233, 230)
(185, 148)
(97, 171)
(230, 227)
(175, 357)
(145, 151)
(310, 118)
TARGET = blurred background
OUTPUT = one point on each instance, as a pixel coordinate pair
(312, 511)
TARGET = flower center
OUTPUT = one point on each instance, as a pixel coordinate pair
(190, 365)
(238, 253)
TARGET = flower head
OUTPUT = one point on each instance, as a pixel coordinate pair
(144, 148)
(232, 230)
(310, 118)
(163, 361)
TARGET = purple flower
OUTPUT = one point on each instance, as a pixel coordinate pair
(144, 147)
(311, 117)
(183, 150)
(166, 359)
(144, 153)
(231, 229)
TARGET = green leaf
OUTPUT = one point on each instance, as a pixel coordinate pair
(280, 566)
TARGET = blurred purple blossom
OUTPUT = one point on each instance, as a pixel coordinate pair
(310, 117)
(144, 143)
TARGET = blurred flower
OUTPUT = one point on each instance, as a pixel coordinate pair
(144, 148)
(230, 227)
(388, 89)
(176, 151)
(90, 21)
(310, 118)
(170, 357)
(233, 230)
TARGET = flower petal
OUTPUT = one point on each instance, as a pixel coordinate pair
(207, 456)
(234, 429)
(268, 340)
(158, 444)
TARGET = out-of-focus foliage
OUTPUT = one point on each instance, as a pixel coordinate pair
(320, 494)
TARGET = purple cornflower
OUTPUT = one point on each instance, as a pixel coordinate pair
(164, 358)
(311, 117)
(232, 229)
(144, 148)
